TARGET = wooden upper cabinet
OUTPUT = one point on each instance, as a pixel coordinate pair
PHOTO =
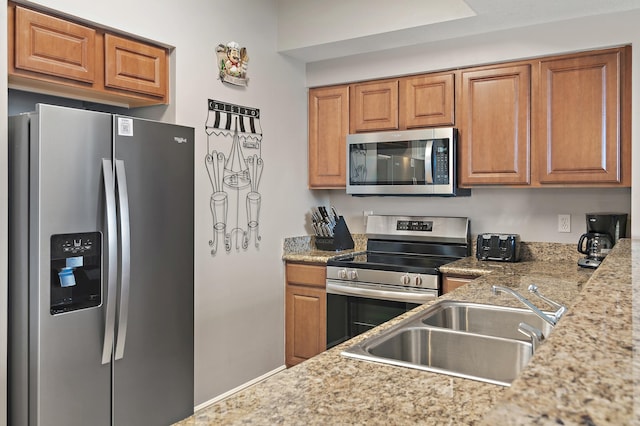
(135, 66)
(328, 129)
(54, 46)
(374, 106)
(562, 120)
(579, 131)
(57, 56)
(494, 126)
(427, 100)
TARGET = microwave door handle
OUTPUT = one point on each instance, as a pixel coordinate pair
(428, 162)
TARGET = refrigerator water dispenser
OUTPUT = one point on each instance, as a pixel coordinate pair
(76, 271)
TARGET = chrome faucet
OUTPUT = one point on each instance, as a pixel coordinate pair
(560, 309)
(551, 319)
(532, 333)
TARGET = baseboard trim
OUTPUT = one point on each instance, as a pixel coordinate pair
(238, 389)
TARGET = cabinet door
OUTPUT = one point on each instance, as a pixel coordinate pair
(135, 66)
(451, 282)
(328, 129)
(578, 128)
(54, 46)
(494, 126)
(306, 323)
(305, 313)
(427, 101)
(374, 106)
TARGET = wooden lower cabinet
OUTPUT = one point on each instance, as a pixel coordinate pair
(451, 282)
(305, 312)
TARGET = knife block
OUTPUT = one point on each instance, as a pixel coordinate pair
(341, 240)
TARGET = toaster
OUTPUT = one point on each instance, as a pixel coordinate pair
(499, 247)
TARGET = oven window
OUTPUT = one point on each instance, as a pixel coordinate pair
(349, 316)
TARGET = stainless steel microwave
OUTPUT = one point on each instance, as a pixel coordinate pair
(407, 162)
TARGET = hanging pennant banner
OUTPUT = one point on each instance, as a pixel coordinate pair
(221, 121)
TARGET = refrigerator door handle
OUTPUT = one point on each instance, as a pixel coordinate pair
(112, 248)
(125, 258)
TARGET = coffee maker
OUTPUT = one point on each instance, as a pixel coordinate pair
(603, 232)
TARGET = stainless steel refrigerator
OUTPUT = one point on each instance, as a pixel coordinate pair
(101, 269)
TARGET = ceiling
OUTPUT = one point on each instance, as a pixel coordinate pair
(315, 30)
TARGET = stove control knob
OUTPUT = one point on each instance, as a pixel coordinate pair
(353, 275)
(418, 280)
(406, 279)
(342, 274)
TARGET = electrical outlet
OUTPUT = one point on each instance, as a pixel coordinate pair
(564, 223)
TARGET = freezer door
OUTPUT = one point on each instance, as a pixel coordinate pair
(153, 370)
(68, 383)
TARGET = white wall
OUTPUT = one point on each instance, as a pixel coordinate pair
(530, 212)
(311, 29)
(239, 331)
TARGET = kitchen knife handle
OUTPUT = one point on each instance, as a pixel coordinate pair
(112, 271)
(125, 258)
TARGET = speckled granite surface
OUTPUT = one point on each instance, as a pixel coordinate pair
(583, 374)
(303, 249)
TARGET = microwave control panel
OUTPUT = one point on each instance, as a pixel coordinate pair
(441, 162)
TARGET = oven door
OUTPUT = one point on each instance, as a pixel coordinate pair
(354, 309)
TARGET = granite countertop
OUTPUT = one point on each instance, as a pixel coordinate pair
(581, 375)
(302, 249)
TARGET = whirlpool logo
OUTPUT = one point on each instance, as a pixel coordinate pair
(180, 139)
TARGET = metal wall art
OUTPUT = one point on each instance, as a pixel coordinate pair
(232, 63)
(234, 164)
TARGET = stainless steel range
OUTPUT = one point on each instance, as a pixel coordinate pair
(399, 271)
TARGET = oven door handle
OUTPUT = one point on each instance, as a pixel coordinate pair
(396, 296)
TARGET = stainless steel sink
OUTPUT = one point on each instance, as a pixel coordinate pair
(489, 320)
(472, 356)
(462, 339)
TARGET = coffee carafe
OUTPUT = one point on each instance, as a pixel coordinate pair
(596, 246)
(603, 231)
